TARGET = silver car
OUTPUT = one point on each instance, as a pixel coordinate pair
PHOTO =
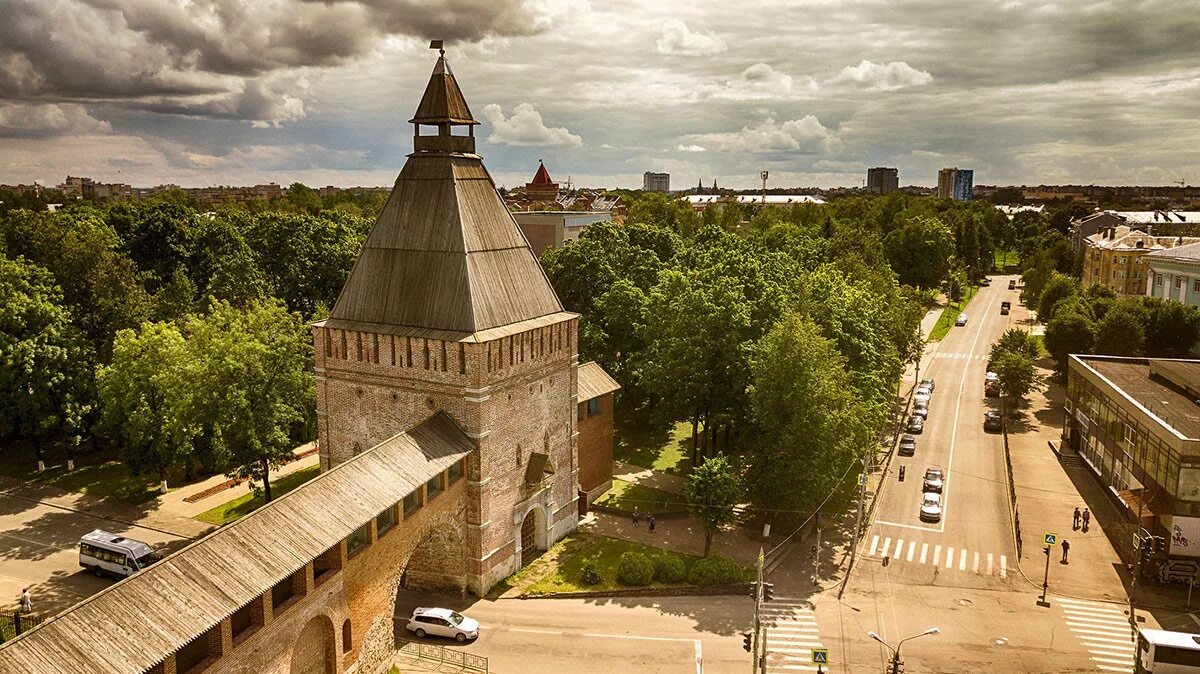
(961, 320)
(931, 507)
(921, 409)
(442, 622)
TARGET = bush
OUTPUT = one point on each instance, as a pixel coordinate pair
(590, 574)
(715, 570)
(635, 569)
(668, 569)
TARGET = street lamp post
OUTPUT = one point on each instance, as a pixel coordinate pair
(896, 663)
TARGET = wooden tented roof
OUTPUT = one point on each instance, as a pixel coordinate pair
(133, 625)
(594, 381)
(443, 102)
(445, 254)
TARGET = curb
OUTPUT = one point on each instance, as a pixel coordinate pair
(676, 591)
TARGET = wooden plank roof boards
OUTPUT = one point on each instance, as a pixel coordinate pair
(443, 101)
(445, 254)
(594, 381)
(135, 624)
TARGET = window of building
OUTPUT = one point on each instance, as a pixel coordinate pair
(1196, 286)
(1178, 282)
(347, 641)
(281, 592)
(1158, 279)
(358, 539)
(433, 487)
(593, 407)
(454, 472)
(385, 520)
(412, 502)
(241, 621)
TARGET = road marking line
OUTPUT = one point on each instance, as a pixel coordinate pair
(1003, 566)
(1089, 621)
(874, 545)
(907, 526)
(785, 649)
(924, 551)
(989, 568)
(899, 548)
(634, 636)
(1085, 602)
(1085, 635)
(887, 543)
(532, 631)
(937, 554)
(1112, 661)
(975, 567)
(1114, 669)
(1096, 612)
(962, 560)
(1096, 650)
(949, 558)
(912, 547)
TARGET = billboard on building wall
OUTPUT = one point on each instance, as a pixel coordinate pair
(1185, 536)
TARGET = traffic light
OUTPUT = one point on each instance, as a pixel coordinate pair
(748, 641)
(1160, 545)
(754, 590)
(768, 591)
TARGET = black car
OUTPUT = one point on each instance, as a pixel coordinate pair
(908, 445)
(992, 423)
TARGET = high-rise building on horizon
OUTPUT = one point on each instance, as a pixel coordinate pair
(882, 180)
(955, 183)
(656, 182)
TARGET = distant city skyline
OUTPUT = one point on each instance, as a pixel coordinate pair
(153, 92)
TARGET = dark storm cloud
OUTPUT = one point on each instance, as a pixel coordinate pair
(216, 58)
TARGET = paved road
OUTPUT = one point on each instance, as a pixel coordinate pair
(684, 635)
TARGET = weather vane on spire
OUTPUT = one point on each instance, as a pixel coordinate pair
(437, 44)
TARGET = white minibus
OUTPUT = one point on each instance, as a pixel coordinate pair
(1163, 652)
(104, 553)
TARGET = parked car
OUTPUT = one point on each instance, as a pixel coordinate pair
(442, 622)
(934, 479)
(915, 424)
(921, 409)
(922, 395)
(1005, 306)
(1012, 284)
(992, 423)
(991, 385)
(908, 445)
(987, 281)
(961, 320)
(927, 383)
(108, 554)
(931, 507)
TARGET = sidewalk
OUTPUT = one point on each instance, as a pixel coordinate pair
(174, 502)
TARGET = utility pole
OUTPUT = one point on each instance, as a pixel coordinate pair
(764, 179)
(1137, 571)
(759, 643)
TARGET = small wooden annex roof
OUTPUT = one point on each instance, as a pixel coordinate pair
(445, 254)
(135, 624)
(443, 102)
(594, 381)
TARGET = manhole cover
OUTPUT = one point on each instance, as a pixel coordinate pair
(1000, 641)
(963, 602)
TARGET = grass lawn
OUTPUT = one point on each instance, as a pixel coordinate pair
(247, 503)
(560, 568)
(950, 314)
(625, 495)
(97, 473)
(1003, 258)
(667, 451)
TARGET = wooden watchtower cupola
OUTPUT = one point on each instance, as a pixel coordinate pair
(443, 106)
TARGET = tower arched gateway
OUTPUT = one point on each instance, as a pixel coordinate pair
(448, 309)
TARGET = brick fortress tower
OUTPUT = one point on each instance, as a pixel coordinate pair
(448, 309)
(541, 189)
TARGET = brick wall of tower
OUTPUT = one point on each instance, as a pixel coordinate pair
(517, 391)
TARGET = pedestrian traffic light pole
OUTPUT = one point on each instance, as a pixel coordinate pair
(1137, 571)
(862, 496)
(755, 642)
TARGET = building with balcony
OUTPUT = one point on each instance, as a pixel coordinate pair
(1112, 257)
(883, 180)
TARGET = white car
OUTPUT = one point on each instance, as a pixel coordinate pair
(442, 622)
(961, 320)
(921, 409)
(931, 507)
(922, 394)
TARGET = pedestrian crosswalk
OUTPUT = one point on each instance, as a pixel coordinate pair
(939, 556)
(791, 628)
(1104, 631)
(958, 356)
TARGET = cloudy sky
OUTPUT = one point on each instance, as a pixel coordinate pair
(209, 92)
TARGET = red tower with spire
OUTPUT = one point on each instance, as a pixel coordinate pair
(542, 189)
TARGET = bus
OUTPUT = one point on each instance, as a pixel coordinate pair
(107, 554)
(1163, 652)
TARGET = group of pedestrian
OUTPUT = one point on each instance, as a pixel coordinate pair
(1079, 521)
(637, 519)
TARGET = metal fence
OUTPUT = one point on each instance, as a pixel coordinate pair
(468, 662)
(1012, 486)
(16, 623)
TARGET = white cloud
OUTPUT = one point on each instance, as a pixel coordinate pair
(50, 119)
(691, 147)
(760, 82)
(881, 76)
(525, 127)
(805, 135)
(678, 39)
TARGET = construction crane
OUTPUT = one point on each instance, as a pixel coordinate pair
(1180, 182)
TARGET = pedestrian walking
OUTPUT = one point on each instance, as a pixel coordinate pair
(650, 523)
(1087, 519)
(1075, 519)
(901, 473)
(1066, 548)
(637, 516)
(26, 601)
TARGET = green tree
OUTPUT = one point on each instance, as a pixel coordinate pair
(713, 491)
(1035, 274)
(1069, 332)
(809, 423)
(157, 237)
(919, 251)
(143, 392)
(250, 387)
(44, 382)
(1014, 340)
(1057, 288)
(1122, 331)
(1172, 328)
(660, 210)
(1017, 376)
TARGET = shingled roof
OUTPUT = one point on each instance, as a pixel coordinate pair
(445, 254)
(133, 625)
